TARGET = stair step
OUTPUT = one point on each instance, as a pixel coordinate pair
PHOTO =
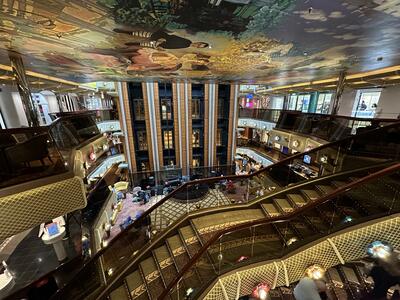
(149, 267)
(135, 284)
(188, 234)
(181, 258)
(166, 263)
(337, 284)
(120, 293)
(312, 195)
(271, 209)
(297, 199)
(338, 183)
(175, 244)
(190, 240)
(162, 254)
(284, 205)
(350, 275)
(222, 220)
(325, 189)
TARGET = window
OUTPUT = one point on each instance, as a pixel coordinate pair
(169, 163)
(221, 103)
(144, 165)
(168, 139)
(166, 109)
(219, 137)
(142, 140)
(303, 101)
(196, 138)
(196, 162)
(92, 103)
(299, 102)
(138, 106)
(367, 103)
(292, 102)
(196, 114)
(323, 103)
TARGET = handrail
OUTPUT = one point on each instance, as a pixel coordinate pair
(215, 179)
(68, 173)
(185, 185)
(276, 219)
(297, 112)
(42, 128)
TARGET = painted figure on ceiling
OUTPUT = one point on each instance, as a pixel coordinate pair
(159, 39)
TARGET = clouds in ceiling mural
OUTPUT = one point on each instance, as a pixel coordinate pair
(275, 41)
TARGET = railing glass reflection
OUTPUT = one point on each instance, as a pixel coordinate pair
(376, 147)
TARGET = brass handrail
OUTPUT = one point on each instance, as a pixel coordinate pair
(277, 219)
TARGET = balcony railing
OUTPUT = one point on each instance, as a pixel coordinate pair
(28, 154)
(268, 115)
(376, 147)
(327, 127)
(257, 241)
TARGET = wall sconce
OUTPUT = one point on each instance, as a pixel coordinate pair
(277, 138)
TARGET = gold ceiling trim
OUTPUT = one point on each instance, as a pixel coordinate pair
(44, 76)
(335, 79)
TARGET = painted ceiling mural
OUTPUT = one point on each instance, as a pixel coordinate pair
(266, 41)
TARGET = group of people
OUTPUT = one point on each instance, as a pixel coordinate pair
(247, 166)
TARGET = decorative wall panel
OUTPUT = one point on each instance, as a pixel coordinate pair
(25, 210)
(351, 245)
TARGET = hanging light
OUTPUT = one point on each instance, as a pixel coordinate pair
(315, 272)
(261, 291)
(378, 249)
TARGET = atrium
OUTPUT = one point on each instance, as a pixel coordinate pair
(200, 149)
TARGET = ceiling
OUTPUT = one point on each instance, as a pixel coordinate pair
(275, 42)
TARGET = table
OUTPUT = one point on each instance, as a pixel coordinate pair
(57, 239)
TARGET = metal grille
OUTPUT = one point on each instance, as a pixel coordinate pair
(251, 277)
(216, 293)
(350, 245)
(322, 254)
(27, 209)
(231, 284)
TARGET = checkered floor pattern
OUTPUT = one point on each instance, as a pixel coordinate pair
(172, 210)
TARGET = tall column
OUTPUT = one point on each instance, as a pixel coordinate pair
(233, 120)
(125, 119)
(177, 124)
(153, 125)
(339, 92)
(18, 69)
(189, 132)
(210, 123)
